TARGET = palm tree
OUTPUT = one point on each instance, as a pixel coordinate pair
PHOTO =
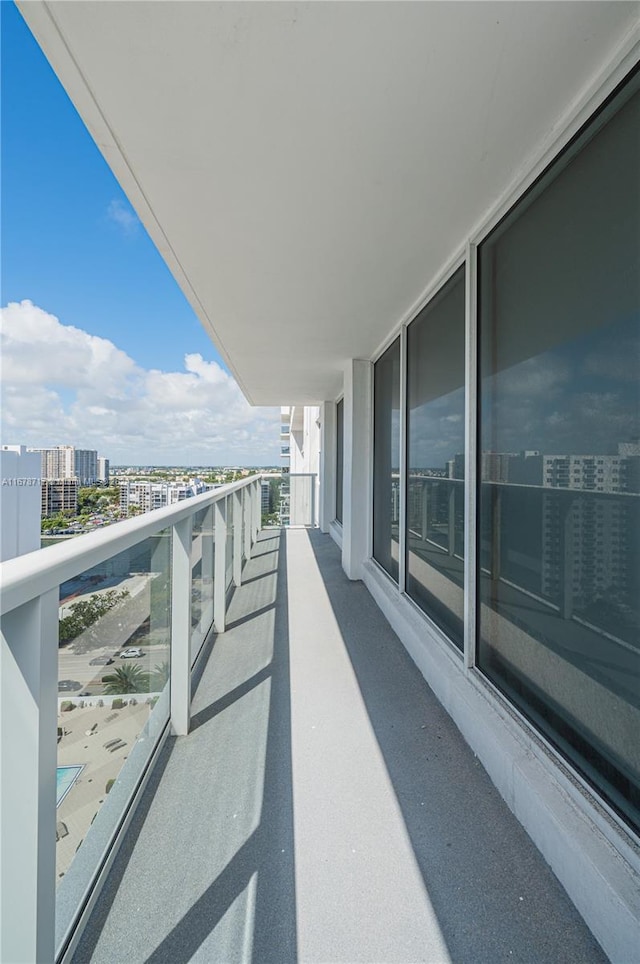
(126, 679)
(159, 676)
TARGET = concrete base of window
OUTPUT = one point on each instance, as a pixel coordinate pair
(595, 859)
(335, 531)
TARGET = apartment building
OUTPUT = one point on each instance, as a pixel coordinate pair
(68, 462)
(265, 497)
(103, 470)
(59, 495)
(147, 496)
(434, 246)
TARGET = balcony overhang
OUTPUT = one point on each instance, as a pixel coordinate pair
(306, 170)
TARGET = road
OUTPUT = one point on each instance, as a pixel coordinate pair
(77, 667)
(127, 624)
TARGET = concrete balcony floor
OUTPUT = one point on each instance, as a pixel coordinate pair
(324, 808)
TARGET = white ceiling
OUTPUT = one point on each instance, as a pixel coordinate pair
(306, 169)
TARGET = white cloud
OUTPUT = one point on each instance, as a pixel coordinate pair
(536, 377)
(63, 385)
(123, 216)
(619, 361)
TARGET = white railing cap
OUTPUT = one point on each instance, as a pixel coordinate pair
(28, 576)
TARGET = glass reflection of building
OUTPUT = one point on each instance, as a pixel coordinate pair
(557, 471)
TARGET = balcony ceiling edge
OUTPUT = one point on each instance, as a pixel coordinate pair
(305, 172)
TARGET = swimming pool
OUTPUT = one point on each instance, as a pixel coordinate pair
(65, 778)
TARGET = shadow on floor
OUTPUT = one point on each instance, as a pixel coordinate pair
(494, 896)
(247, 912)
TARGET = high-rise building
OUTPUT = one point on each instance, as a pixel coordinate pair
(85, 466)
(103, 470)
(265, 497)
(19, 501)
(68, 462)
(57, 462)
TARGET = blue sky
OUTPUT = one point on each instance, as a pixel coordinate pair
(73, 248)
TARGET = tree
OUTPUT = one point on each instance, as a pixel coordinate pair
(274, 494)
(54, 522)
(126, 679)
(112, 494)
(159, 677)
(88, 499)
(85, 613)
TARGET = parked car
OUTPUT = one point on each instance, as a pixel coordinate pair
(100, 661)
(133, 653)
(69, 684)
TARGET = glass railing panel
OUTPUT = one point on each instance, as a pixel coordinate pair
(202, 569)
(270, 502)
(113, 703)
(229, 549)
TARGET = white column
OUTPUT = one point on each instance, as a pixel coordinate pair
(249, 508)
(257, 515)
(181, 627)
(207, 567)
(28, 712)
(356, 509)
(327, 465)
(219, 577)
(237, 538)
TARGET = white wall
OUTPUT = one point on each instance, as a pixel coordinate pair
(20, 501)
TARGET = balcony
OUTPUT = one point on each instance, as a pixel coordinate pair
(313, 801)
(317, 230)
(323, 806)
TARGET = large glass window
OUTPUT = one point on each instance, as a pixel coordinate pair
(435, 458)
(386, 459)
(339, 458)
(559, 453)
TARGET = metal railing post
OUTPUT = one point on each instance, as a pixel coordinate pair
(567, 557)
(244, 504)
(207, 568)
(220, 568)
(425, 511)
(451, 533)
(257, 513)
(237, 538)
(181, 626)
(29, 704)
